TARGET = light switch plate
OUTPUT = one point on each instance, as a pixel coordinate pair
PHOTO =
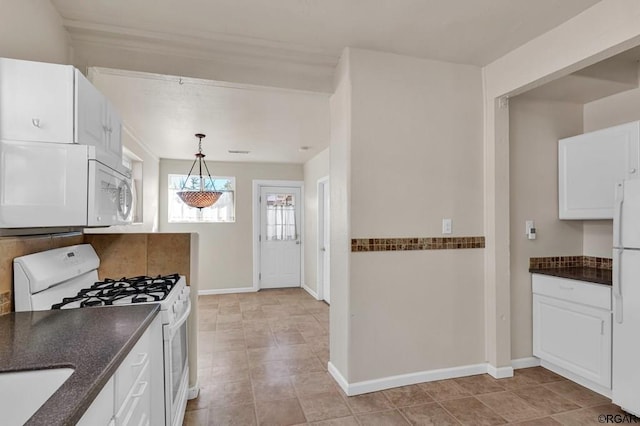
(528, 224)
(446, 226)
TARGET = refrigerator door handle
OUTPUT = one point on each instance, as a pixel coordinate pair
(617, 214)
(617, 285)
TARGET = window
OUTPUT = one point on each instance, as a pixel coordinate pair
(281, 217)
(224, 210)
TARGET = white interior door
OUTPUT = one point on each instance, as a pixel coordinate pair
(324, 240)
(280, 243)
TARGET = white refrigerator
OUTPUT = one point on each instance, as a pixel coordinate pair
(626, 297)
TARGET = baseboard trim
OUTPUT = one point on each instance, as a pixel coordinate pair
(226, 291)
(338, 377)
(311, 292)
(193, 392)
(578, 379)
(375, 385)
(499, 372)
(383, 383)
(528, 362)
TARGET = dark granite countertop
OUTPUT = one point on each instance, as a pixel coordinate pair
(581, 273)
(92, 341)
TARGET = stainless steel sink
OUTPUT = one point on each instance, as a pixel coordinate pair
(23, 393)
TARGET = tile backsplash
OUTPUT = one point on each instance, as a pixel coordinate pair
(120, 255)
(130, 255)
(11, 247)
(415, 243)
(570, 262)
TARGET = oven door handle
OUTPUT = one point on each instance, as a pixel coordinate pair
(173, 328)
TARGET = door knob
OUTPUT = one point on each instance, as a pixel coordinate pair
(35, 122)
(323, 249)
(632, 171)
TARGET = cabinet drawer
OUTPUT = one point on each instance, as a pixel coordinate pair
(584, 293)
(131, 367)
(135, 411)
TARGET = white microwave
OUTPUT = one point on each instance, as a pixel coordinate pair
(60, 185)
(110, 199)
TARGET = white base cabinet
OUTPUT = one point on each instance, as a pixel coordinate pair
(589, 166)
(572, 327)
(128, 398)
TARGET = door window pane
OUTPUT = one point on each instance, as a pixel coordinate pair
(281, 217)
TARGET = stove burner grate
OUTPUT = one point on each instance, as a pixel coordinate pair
(139, 289)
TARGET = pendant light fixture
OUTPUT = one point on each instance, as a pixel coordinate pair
(201, 197)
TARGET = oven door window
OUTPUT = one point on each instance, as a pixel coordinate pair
(178, 359)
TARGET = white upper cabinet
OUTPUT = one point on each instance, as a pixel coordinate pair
(589, 165)
(97, 122)
(36, 101)
(90, 113)
(114, 132)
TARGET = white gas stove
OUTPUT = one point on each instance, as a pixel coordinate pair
(67, 278)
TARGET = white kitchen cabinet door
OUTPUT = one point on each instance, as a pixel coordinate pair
(114, 133)
(98, 123)
(589, 166)
(91, 126)
(574, 337)
(36, 101)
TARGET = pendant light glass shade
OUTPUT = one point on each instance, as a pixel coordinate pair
(199, 199)
(202, 197)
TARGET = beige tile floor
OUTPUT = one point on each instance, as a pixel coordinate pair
(262, 360)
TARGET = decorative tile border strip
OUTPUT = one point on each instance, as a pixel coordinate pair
(570, 262)
(405, 244)
(5, 303)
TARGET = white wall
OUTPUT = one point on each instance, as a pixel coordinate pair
(340, 193)
(414, 158)
(226, 257)
(534, 129)
(32, 30)
(314, 169)
(606, 112)
(150, 182)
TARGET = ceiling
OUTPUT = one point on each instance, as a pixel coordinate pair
(605, 78)
(289, 44)
(164, 112)
(465, 31)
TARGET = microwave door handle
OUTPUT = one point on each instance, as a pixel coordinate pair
(617, 214)
(617, 285)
